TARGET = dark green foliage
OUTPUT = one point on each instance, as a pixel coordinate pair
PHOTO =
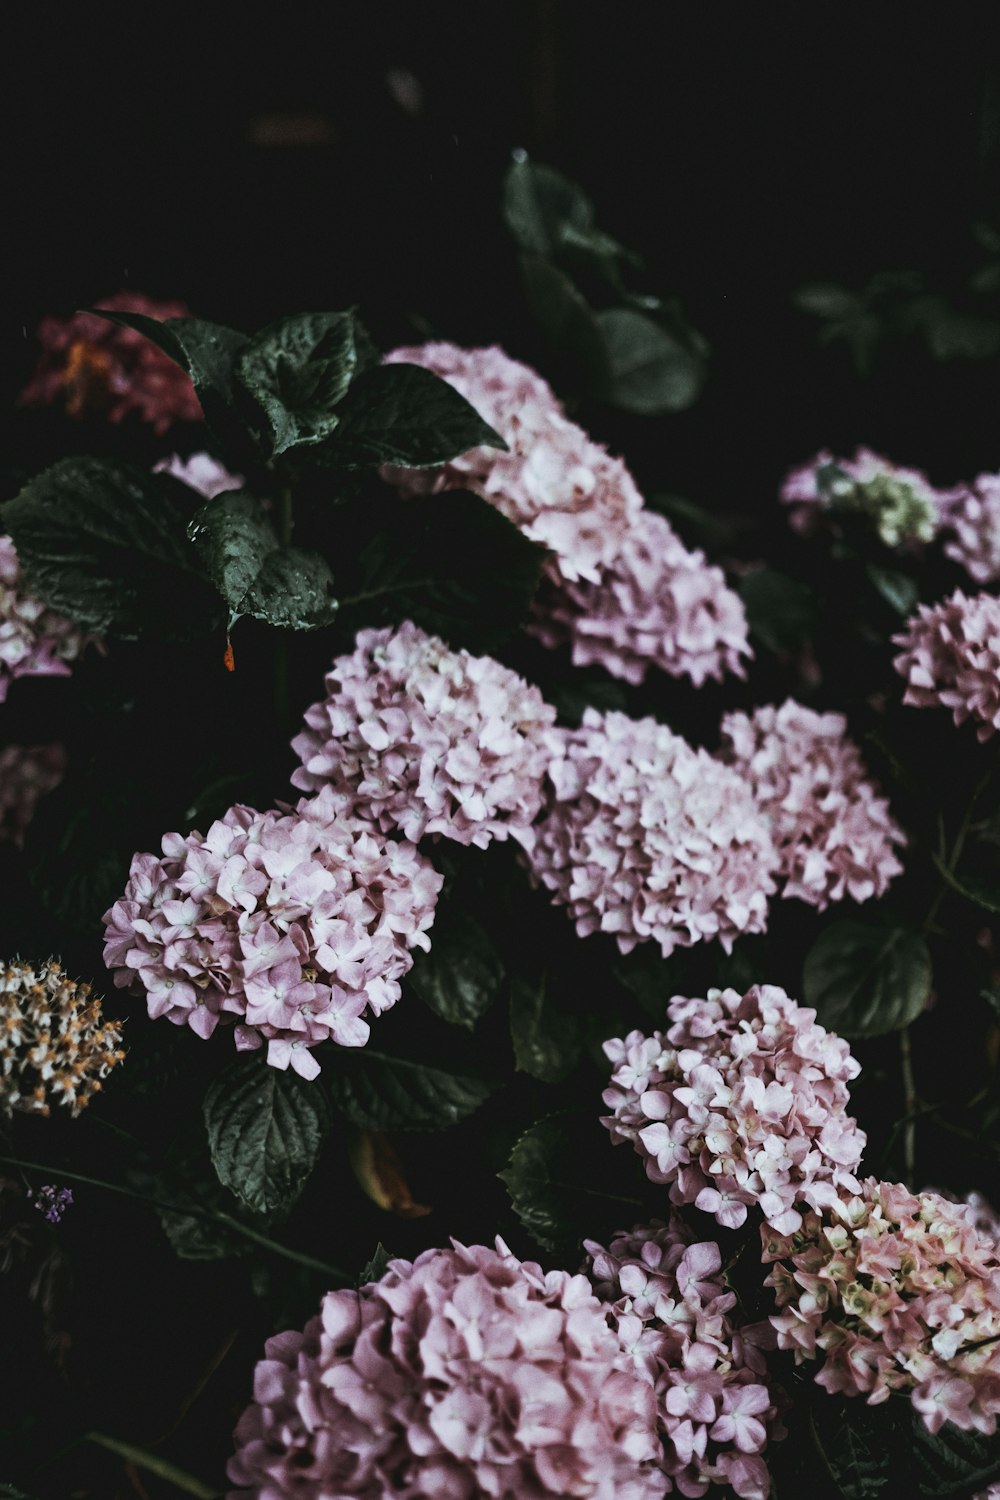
(104, 544)
(265, 1130)
(460, 977)
(297, 370)
(378, 1092)
(866, 980)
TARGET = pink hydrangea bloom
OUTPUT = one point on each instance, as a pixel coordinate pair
(834, 831)
(894, 1290)
(297, 924)
(463, 1374)
(563, 490)
(901, 504)
(951, 657)
(35, 641)
(972, 520)
(668, 1302)
(646, 838)
(26, 774)
(96, 366)
(741, 1101)
(656, 604)
(200, 472)
(429, 740)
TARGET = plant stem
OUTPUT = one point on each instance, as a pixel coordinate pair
(217, 1216)
(186, 1483)
(909, 1105)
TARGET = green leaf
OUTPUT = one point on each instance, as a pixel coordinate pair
(286, 586)
(545, 1044)
(403, 414)
(855, 1442)
(460, 977)
(826, 300)
(561, 1186)
(865, 981)
(293, 590)
(650, 371)
(540, 204)
(104, 543)
(265, 1129)
(781, 611)
(376, 1267)
(298, 369)
(897, 589)
(984, 890)
(452, 564)
(566, 320)
(952, 1464)
(207, 351)
(379, 1092)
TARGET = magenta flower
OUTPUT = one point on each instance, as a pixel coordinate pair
(951, 657)
(895, 1291)
(465, 1373)
(648, 839)
(679, 1327)
(94, 366)
(298, 925)
(901, 505)
(741, 1102)
(834, 832)
(429, 740)
(35, 641)
(563, 490)
(27, 773)
(200, 472)
(972, 521)
(656, 604)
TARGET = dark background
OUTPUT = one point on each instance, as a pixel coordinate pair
(255, 165)
(354, 154)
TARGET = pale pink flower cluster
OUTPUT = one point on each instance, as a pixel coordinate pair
(899, 1292)
(200, 472)
(298, 924)
(35, 641)
(900, 503)
(648, 839)
(742, 1101)
(27, 773)
(656, 604)
(463, 1374)
(834, 832)
(972, 518)
(674, 1317)
(96, 366)
(429, 740)
(620, 586)
(951, 657)
(563, 490)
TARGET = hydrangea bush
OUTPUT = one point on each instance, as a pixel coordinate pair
(526, 784)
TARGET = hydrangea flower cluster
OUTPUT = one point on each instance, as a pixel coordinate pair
(429, 740)
(951, 657)
(972, 519)
(620, 586)
(464, 1373)
(900, 503)
(200, 472)
(834, 832)
(899, 1292)
(96, 366)
(26, 774)
(563, 490)
(668, 1302)
(297, 923)
(35, 641)
(656, 604)
(741, 1101)
(55, 1046)
(646, 838)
